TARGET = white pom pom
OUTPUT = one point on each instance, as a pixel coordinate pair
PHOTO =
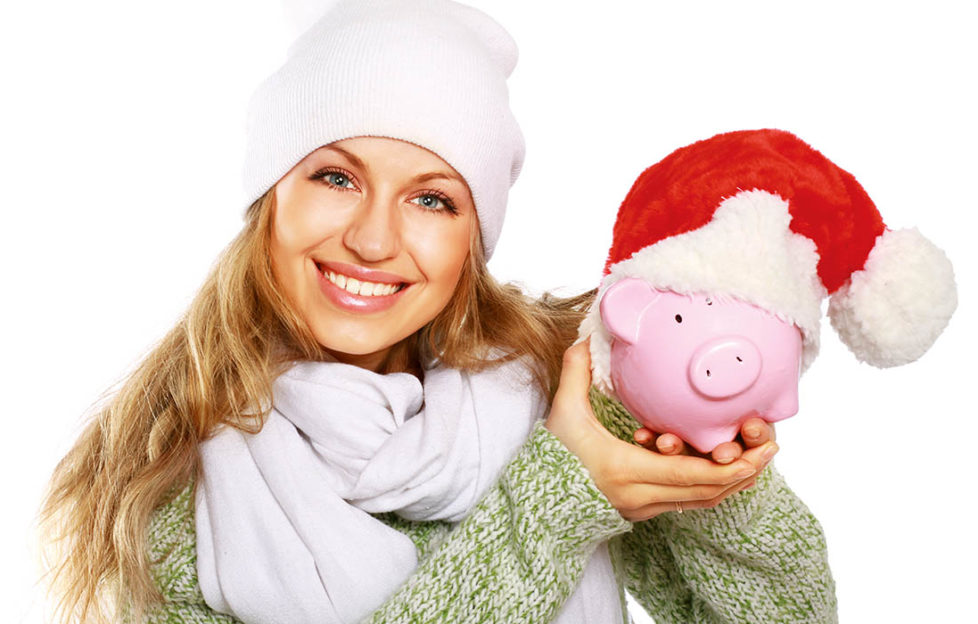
(894, 309)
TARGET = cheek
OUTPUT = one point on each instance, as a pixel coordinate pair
(294, 231)
(303, 220)
(442, 254)
(283, 269)
(295, 226)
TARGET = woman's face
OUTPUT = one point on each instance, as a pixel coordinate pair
(369, 236)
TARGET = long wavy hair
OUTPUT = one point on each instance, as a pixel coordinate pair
(216, 366)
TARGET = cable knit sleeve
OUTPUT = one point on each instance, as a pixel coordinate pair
(515, 558)
(521, 551)
(759, 556)
(173, 564)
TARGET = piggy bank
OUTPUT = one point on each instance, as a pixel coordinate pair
(698, 365)
(752, 218)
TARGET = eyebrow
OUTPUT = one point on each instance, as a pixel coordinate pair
(349, 155)
(424, 177)
(418, 179)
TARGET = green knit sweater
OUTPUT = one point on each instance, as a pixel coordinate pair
(758, 557)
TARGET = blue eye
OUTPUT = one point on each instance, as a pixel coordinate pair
(429, 202)
(338, 179)
(435, 202)
(334, 178)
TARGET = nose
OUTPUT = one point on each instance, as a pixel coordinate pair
(724, 367)
(374, 232)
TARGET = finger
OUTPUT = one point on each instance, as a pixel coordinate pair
(644, 437)
(667, 443)
(655, 509)
(727, 452)
(762, 455)
(575, 373)
(571, 418)
(748, 485)
(677, 504)
(640, 495)
(756, 432)
(684, 470)
(670, 444)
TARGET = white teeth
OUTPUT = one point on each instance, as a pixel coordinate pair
(357, 287)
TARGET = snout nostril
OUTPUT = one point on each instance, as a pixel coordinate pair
(738, 359)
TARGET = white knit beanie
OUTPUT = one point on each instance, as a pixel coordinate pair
(431, 72)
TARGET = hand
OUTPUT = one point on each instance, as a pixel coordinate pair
(754, 432)
(639, 483)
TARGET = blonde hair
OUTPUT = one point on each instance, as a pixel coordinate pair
(217, 366)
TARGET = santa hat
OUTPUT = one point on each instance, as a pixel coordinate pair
(760, 216)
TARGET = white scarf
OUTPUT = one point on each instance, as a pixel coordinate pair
(284, 531)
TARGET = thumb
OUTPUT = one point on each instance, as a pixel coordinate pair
(571, 418)
(575, 373)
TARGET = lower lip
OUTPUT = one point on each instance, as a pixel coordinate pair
(346, 300)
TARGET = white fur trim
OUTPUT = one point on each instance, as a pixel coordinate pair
(747, 251)
(894, 309)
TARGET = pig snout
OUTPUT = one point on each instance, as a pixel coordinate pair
(724, 367)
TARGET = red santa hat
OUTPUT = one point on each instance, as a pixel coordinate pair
(760, 216)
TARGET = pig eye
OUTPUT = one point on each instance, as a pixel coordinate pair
(709, 302)
(679, 318)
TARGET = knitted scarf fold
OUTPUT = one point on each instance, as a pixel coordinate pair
(284, 531)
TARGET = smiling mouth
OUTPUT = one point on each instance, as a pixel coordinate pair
(362, 288)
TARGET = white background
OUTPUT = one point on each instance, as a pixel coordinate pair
(120, 150)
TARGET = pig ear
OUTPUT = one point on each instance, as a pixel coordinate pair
(622, 307)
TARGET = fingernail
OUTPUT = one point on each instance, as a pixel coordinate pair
(770, 451)
(725, 460)
(753, 432)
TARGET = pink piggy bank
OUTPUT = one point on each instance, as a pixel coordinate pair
(698, 366)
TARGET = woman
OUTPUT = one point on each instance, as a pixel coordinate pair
(345, 424)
